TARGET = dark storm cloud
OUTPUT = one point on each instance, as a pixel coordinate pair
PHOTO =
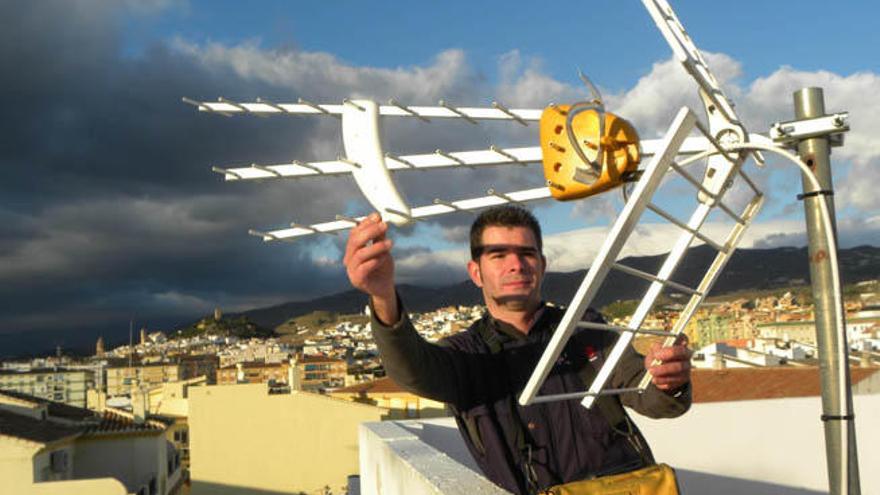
(109, 208)
(108, 205)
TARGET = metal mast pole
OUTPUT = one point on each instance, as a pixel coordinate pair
(837, 404)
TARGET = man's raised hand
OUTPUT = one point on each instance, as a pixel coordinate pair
(674, 369)
(370, 267)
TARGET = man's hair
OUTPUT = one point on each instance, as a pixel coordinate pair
(502, 216)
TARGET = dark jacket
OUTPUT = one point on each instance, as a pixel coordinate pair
(568, 442)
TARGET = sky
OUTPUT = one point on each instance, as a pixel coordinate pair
(110, 212)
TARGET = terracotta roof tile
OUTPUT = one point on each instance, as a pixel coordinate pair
(762, 383)
(381, 386)
(114, 422)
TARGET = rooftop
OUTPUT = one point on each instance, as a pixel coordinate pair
(63, 420)
(772, 382)
(765, 447)
(32, 429)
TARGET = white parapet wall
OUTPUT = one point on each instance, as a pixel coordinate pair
(766, 447)
(394, 459)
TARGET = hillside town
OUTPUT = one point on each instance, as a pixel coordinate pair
(166, 385)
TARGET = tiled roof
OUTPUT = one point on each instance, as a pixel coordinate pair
(76, 420)
(773, 382)
(311, 358)
(381, 386)
(116, 422)
(35, 430)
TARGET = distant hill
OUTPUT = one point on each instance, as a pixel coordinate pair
(758, 269)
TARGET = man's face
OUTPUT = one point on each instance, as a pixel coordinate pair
(510, 268)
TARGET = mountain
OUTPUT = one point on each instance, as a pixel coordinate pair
(748, 269)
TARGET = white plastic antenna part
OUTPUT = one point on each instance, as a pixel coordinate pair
(393, 109)
(440, 207)
(363, 147)
(431, 161)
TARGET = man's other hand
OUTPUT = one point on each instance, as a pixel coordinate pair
(370, 267)
(674, 369)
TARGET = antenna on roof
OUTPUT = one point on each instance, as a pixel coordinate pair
(585, 150)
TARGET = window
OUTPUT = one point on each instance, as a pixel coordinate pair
(58, 461)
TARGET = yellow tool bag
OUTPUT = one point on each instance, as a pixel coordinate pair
(657, 479)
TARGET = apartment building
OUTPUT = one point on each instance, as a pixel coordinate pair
(314, 373)
(55, 384)
(120, 378)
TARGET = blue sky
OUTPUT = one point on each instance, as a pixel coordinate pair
(808, 35)
(110, 209)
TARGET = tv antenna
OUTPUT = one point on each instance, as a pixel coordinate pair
(585, 150)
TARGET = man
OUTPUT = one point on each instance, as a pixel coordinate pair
(480, 372)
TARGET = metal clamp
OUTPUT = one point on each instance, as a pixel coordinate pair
(830, 126)
(813, 194)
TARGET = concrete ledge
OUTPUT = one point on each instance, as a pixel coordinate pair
(766, 447)
(394, 460)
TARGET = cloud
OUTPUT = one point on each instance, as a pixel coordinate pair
(576, 249)
(109, 207)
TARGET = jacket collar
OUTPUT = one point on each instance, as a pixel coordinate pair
(508, 332)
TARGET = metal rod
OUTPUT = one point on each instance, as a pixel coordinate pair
(614, 328)
(408, 110)
(555, 185)
(308, 166)
(748, 180)
(450, 157)
(402, 214)
(194, 103)
(493, 192)
(456, 111)
(351, 220)
(556, 107)
(840, 435)
(348, 162)
(272, 104)
(319, 108)
(346, 101)
(587, 393)
(654, 278)
(305, 227)
(708, 193)
(438, 201)
(225, 171)
(232, 103)
(683, 226)
(203, 107)
(507, 111)
(264, 235)
(310, 229)
(238, 106)
(506, 155)
(404, 161)
(265, 169)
